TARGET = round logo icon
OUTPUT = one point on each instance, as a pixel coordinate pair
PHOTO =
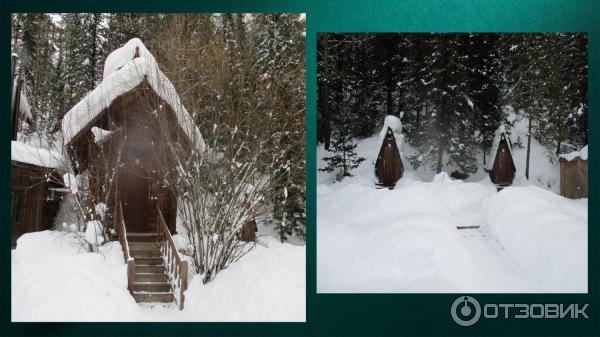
(465, 311)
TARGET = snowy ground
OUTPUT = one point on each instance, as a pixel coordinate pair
(54, 280)
(406, 240)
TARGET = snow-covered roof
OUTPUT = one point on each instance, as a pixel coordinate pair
(28, 154)
(122, 56)
(498, 135)
(24, 107)
(581, 154)
(395, 124)
(122, 77)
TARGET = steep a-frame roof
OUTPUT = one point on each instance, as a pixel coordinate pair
(125, 69)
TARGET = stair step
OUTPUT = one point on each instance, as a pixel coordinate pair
(144, 253)
(160, 269)
(153, 297)
(142, 237)
(142, 245)
(149, 261)
(151, 287)
(150, 277)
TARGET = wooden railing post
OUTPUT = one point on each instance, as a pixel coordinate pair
(130, 275)
(177, 269)
(119, 226)
(183, 275)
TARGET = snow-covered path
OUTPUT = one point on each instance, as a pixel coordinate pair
(498, 272)
(406, 239)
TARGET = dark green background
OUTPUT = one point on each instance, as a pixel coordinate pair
(385, 314)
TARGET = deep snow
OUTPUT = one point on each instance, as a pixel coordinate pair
(53, 279)
(406, 240)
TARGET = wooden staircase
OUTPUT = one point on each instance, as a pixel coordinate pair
(150, 281)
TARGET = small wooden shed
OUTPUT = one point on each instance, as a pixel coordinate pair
(503, 168)
(388, 167)
(574, 174)
(33, 191)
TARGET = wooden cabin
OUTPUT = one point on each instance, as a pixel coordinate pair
(119, 133)
(34, 191)
(388, 167)
(503, 169)
(574, 174)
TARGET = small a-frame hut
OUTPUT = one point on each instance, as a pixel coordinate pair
(388, 167)
(503, 169)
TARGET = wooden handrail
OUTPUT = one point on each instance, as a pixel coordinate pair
(177, 269)
(119, 224)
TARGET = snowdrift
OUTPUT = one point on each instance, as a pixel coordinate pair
(267, 285)
(53, 279)
(544, 233)
(403, 240)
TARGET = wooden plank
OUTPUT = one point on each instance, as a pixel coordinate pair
(467, 227)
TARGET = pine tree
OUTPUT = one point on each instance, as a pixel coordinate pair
(344, 157)
(484, 80)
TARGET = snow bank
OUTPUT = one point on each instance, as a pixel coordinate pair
(581, 154)
(544, 233)
(54, 280)
(28, 154)
(403, 240)
(267, 284)
(121, 81)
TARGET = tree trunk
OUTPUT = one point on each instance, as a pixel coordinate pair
(528, 148)
(418, 118)
(389, 94)
(326, 113)
(483, 147)
(558, 148)
(440, 156)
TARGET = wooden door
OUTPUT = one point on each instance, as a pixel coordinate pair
(135, 194)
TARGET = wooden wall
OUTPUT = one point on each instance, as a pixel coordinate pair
(574, 178)
(30, 208)
(137, 142)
